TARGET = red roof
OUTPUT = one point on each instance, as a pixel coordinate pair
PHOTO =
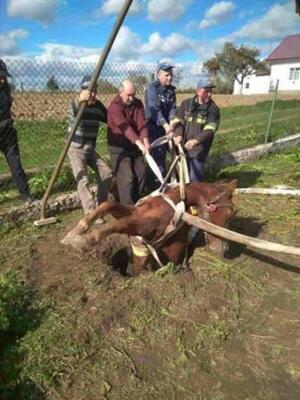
(288, 49)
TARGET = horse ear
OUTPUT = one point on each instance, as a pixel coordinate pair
(232, 185)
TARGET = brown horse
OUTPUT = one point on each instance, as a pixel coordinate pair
(151, 222)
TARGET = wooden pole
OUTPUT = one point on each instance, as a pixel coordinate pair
(238, 237)
(95, 76)
(271, 112)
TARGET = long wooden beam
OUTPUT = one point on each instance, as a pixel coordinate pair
(240, 238)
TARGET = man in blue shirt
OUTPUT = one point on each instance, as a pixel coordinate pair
(160, 107)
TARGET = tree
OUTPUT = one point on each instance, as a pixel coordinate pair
(52, 84)
(234, 63)
(106, 87)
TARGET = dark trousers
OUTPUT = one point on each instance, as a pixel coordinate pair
(10, 148)
(159, 155)
(196, 169)
(129, 170)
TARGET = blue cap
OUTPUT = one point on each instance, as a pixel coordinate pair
(165, 66)
(85, 81)
(205, 83)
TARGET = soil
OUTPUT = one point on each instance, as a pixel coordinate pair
(222, 330)
(28, 105)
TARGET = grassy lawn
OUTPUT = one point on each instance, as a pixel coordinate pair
(276, 169)
(241, 126)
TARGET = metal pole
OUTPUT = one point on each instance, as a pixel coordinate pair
(271, 112)
(95, 76)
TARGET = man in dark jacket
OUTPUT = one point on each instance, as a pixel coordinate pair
(82, 151)
(160, 106)
(197, 120)
(128, 141)
(8, 136)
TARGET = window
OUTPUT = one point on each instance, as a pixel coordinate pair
(247, 85)
(294, 74)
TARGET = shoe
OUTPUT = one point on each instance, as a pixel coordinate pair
(99, 221)
(27, 198)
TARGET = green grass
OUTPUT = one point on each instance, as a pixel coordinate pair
(246, 126)
(41, 142)
(276, 169)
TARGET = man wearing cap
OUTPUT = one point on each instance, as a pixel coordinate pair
(82, 151)
(196, 122)
(128, 142)
(160, 106)
(8, 136)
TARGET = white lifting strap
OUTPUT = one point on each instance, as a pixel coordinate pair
(140, 246)
(178, 208)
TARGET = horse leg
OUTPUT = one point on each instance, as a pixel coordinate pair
(108, 207)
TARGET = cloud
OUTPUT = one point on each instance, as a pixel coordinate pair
(39, 10)
(169, 46)
(166, 9)
(208, 48)
(279, 21)
(127, 45)
(111, 7)
(218, 13)
(8, 42)
(63, 52)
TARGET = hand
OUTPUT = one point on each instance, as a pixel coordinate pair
(141, 146)
(84, 95)
(169, 130)
(190, 144)
(83, 225)
(147, 144)
(177, 140)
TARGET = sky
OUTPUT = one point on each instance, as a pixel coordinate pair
(184, 31)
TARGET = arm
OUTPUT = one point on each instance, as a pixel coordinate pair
(172, 114)
(141, 123)
(211, 125)
(179, 123)
(119, 119)
(208, 131)
(103, 112)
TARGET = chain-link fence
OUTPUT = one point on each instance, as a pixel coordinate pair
(42, 94)
(43, 91)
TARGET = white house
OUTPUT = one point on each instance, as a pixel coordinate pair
(284, 64)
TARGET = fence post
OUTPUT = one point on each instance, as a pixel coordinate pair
(271, 112)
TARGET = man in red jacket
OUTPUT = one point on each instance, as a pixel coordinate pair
(128, 142)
